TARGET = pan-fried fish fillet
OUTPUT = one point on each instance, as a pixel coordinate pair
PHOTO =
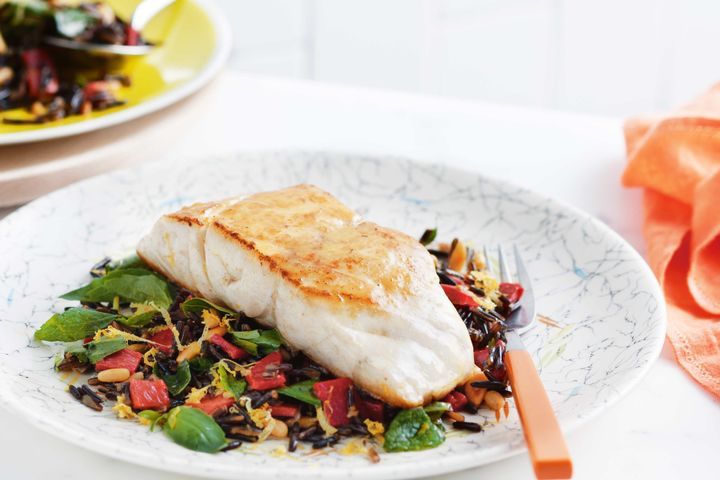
(362, 300)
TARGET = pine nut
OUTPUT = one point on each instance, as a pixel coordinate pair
(190, 352)
(138, 347)
(114, 375)
(280, 430)
(455, 416)
(458, 257)
(494, 400)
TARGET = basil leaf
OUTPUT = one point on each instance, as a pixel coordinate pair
(231, 384)
(152, 416)
(197, 305)
(137, 320)
(78, 350)
(73, 324)
(302, 391)
(428, 236)
(99, 349)
(258, 341)
(194, 429)
(71, 22)
(130, 284)
(436, 409)
(412, 430)
(176, 382)
(242, 340)
(268, 341)
(133, 261)
(200, 365)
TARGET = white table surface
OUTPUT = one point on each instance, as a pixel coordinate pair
(667, 427)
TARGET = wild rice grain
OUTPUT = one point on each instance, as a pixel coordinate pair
(89, 402)
(89, 392)
(231, 445)
(469, 426)
(75, 392)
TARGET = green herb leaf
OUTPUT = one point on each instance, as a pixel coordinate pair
(197, 305)
(436, 409)
(152, 416)
(78, 350)
(130, 284)
(428, 236)
(176, 382)
(71, 22)
(73, 324)
(231, 384)
(412, 430)
(302, 391)
(137, 320)
(99, 349)
(132, 261)
(200, 365)
(194, 429)
(257, 342)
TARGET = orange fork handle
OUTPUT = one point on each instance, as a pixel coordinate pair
(548, 452)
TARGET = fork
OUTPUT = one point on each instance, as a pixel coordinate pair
(546, 444)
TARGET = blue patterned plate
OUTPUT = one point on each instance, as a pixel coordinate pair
(587, 279)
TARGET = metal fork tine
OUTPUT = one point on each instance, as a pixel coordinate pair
(504, 270)
(528, 299)
(488, 263)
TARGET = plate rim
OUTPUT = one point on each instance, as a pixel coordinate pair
(220, 54)
(441, 465)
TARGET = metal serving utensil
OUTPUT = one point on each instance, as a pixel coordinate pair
(546, 444)
(144, 12)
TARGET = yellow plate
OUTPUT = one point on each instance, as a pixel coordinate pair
(194, 43)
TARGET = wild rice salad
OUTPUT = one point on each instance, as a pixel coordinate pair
(211, 378)
(46, 82)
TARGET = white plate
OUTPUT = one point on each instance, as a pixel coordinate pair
(586, 278)
(223, 42)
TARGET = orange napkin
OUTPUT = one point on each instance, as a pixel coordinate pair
(676, 159)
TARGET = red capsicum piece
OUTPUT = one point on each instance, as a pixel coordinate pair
(40, 74)
(212, 405)
(512, 291)
(480, 356)
(459, 297)
(149, 394)
(334, 397)
(131, 36)
(164, 339)
(457, 400)
(283, 411)
(125, 358)
(262, 379)
(232, 351)
(370, 408)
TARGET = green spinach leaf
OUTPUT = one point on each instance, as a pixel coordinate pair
(302, 391)
(428, 236)
(231, 384)
(257, 342)
(200, 365)
(197, 305)
(152, 416)
(412, 430)
(194, 429)
(132, 261)
(99, 349)
(137, 320)
(436, 409)
(178, 381)
(73, 324)
(130, 284)
(77, 349)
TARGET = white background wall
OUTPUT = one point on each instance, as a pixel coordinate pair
(610, 57)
